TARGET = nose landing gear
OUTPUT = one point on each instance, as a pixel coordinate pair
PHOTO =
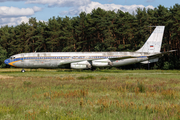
(22, 70)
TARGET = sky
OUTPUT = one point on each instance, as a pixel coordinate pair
(14, 12)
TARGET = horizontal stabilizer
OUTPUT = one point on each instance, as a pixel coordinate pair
(160, 54)
(155, 57)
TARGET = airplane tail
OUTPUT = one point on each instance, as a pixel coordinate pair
(153, 44)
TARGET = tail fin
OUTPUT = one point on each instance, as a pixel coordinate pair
(153, 44)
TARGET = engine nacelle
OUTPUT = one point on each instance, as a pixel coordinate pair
(81, 65)
(150, 61)
(102, 63)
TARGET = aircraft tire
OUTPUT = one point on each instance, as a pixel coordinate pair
(22, 70)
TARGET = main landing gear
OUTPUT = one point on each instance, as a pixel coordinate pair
(22, 70)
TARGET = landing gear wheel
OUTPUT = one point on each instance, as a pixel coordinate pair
(22, 70)
(92, 69)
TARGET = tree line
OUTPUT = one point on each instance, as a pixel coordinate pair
(99, 30)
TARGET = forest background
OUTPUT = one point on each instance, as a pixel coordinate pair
(98, 31)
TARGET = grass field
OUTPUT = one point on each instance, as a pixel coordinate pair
(52, 94)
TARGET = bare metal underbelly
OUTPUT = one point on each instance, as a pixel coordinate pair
(59, 63)
(37, 64)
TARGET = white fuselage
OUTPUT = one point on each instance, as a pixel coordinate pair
(75, 60)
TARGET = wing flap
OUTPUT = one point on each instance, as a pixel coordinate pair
(123, 57)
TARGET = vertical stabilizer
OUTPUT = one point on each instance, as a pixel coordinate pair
(153, 44)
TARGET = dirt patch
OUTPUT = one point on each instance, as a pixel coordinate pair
(5, 77)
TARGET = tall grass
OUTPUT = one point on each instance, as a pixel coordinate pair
(84, 95)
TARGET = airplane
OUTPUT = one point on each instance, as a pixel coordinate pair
(148, 53)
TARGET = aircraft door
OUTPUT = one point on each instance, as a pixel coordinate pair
(11, 59)
(22, 60)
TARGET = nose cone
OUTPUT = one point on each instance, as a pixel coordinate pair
(7, 61)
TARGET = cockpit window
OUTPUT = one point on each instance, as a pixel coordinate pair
(12, 58)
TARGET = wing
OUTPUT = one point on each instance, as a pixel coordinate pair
(123, 57)
(64, 62)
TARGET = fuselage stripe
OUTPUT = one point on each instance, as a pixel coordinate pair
(65, 57)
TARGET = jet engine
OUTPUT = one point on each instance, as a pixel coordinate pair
(102, 63)
(81, 65)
